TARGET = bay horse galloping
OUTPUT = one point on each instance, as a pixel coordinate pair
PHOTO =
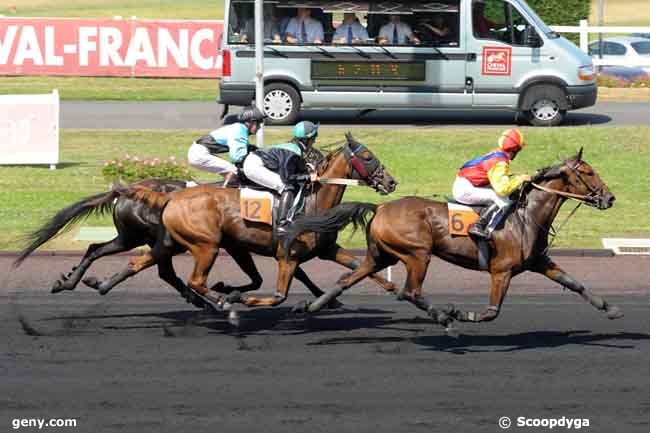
(137, 224)
(413, 229)
(204, 219)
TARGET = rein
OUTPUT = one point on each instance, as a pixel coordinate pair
(578, 197)
(340, 181)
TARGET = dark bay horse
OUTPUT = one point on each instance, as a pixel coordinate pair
(204, 219)
(413, 229)
(137, 224)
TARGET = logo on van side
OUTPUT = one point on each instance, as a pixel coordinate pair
(497, 61)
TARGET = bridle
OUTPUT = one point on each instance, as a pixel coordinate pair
(366, 169)
(594, 198)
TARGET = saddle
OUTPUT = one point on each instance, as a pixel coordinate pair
(461, 218)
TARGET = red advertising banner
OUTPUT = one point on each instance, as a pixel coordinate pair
(129, 48)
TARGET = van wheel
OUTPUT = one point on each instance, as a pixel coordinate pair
(281, 104)
(546, 105)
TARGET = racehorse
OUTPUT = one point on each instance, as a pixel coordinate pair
(205, 218)
(138, 224)
(413, 229)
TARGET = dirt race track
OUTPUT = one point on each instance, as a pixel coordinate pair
(142, 360)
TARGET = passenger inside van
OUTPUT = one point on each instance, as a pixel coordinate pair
(483, 27)
(434, 29)
(271, 27)
(303, 29)
(351, 31)
(396, 32)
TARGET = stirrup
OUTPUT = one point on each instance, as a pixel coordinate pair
(478, 232)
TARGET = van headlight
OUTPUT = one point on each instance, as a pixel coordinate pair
(587, 73)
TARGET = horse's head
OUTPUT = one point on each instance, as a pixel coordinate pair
(367, 167)
(580, 178)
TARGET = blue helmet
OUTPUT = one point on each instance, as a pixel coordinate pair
(305, 130)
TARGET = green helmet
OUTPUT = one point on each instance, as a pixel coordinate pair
(305, 130)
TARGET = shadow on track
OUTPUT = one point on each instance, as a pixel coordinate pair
(504, 343)
(280, 319)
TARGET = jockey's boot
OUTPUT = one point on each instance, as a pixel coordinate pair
(496, 219)
(481, 228)
(284, 207)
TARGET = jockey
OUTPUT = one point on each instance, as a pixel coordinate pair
(231, 138)
(486, 180)
(281, 166)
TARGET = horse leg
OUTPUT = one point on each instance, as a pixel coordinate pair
(135, 266)
(286, 271)
(500, 281)
(302, 276)
(245, 261)
(551, 270)
(368, 266)
(343, 257)
(94, 252)
(416, 271)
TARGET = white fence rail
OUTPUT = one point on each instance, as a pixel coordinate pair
(584, 29)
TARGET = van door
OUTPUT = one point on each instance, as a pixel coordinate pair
(500, 53)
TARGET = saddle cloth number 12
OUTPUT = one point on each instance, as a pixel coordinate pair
(256, 209)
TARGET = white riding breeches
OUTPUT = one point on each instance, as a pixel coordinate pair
(466, 193)
(255, 170)
(200, 157)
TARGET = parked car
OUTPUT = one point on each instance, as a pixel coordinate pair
(630, 51)
(642, 35)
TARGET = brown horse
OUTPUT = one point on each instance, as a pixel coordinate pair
(413, 229)
(138, 224)
(204, 219)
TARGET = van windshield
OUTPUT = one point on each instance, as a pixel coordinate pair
(369, 23)
(539, 23)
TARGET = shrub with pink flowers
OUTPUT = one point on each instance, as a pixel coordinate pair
(639, 82)
(132, 169)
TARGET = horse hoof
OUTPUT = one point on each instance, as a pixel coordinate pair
(300, 308)
(614, 312)
(334, 304)
(91, 282)
(56, 287)
(233, 297)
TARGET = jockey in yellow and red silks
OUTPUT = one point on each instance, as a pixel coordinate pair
(487, 180)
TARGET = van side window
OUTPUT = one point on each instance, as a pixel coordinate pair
(499, 20)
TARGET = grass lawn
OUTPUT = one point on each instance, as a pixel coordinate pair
(424, 161)
(622, 12)
(167, 9)
(122, 89)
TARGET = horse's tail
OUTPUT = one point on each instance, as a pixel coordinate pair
(98, 204)
(332, 220)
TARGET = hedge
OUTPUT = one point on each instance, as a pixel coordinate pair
(562, 13)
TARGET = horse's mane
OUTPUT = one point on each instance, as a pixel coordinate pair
(544, 174)
(319, 160)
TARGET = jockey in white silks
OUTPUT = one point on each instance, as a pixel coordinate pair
(231, 138)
